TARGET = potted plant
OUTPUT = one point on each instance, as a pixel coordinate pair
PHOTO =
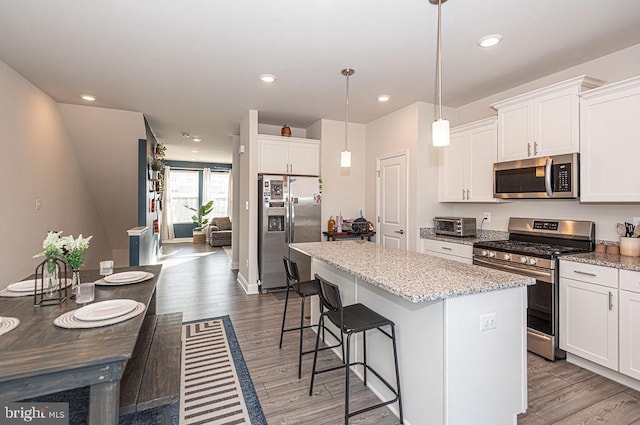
(157, 167)
(200, 221)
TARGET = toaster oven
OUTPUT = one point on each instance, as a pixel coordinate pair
(455, 226)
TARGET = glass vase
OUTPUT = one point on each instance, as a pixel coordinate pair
(76, 281)
(51, 278)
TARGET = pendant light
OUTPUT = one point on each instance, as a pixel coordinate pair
(440, 127)
(345, 155)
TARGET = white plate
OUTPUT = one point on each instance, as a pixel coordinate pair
(68, 320)
(147, 276)
(125, 276)
(24, 286)
(28, 286)
(105, 310)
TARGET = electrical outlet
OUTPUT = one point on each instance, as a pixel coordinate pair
(487, 321)
(38, 204)
(487, 217)
(636, 221)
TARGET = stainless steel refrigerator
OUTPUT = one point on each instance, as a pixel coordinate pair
(289, 212)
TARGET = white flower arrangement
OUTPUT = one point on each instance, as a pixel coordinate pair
(74, 250)
(52, 245)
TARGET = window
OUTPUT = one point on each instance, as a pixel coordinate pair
(219, 193)
(184, 187)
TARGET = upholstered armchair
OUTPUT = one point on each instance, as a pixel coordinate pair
(219, 231)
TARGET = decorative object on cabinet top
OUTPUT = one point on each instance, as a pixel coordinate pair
(286, 131)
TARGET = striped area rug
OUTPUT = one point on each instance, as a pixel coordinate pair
(210, 391)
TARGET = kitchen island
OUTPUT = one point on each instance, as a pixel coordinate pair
(461, 330)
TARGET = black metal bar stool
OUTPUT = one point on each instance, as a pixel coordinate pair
(352, 319)
(303, 290)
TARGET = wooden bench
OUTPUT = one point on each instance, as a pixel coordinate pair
(152, 375)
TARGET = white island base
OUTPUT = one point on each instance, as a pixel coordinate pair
(451, 371)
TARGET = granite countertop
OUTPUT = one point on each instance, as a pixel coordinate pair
(606, 260)
(410, 275)
(481, 235)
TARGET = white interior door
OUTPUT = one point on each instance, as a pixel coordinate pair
(392, 201)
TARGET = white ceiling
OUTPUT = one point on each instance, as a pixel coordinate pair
(192, 65)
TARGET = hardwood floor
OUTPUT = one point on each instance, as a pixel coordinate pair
(196, 280)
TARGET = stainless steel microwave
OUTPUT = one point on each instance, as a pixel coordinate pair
(545, 177)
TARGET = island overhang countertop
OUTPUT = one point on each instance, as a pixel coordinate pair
(413, 276)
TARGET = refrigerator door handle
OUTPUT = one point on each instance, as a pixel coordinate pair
(286, 219)
(293, 218)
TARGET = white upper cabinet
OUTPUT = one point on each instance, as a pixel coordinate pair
(542, 122)
(288, 155)
(466, 165)
(610, 143)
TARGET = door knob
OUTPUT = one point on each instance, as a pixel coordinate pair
(400, 231)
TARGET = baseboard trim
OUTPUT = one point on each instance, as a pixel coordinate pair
(249, 289)
(178, 240)
(604, 371)
(235, 265)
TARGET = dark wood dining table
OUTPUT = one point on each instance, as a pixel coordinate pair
(40, 358)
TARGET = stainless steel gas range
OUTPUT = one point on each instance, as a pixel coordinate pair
(533, 249)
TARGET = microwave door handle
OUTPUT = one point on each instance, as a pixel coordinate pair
(547, 177)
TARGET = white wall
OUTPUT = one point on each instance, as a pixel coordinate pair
(248, 193)
(407, 129)
(342, 188)
(38, 162)
(235, 202)
(275, 130)
(614, 67)
(106, 144)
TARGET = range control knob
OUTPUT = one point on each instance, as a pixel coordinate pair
(507, 257)
(533, 261)
(523, 260)
(484, 253)
(492, 254)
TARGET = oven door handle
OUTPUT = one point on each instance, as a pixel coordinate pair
(547, 177)
(544, 276)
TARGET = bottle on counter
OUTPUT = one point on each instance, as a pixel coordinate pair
(331, 226)
(339, 223)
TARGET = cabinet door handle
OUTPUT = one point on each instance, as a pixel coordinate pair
(446, 248)
(585, 273)
(528, 149)
(468, 194)
(610, 300)
(463, 194)
(399, 231)
(535, 148)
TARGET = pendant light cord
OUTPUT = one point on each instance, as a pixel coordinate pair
(346, 114)
(439, 60)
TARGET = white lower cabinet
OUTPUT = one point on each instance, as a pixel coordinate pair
(629, 322)
(600, 315)
(449, 250)
(589, 321)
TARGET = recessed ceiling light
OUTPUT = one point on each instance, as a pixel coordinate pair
(185, 134)
(267, 78)
(194, 151)
(383, 98)
(197, 139)
(490, 40)
(88, 97)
